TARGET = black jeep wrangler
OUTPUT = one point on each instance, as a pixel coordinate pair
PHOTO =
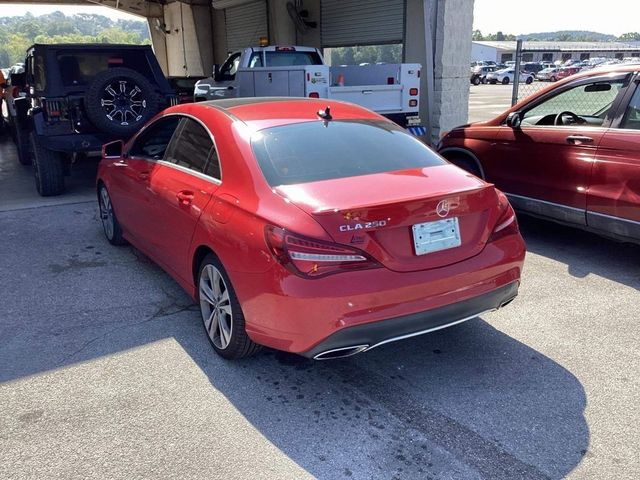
(80, 96)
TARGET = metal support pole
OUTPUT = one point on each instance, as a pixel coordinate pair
(428, 70)
(516, 73)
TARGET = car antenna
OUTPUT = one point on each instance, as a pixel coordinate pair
(325, 114)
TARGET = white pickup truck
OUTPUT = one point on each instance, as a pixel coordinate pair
(392, 90)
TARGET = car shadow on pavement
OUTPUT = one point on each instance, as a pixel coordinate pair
(465, 402)
(583, 252)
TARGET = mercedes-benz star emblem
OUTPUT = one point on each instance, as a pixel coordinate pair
(443, 208)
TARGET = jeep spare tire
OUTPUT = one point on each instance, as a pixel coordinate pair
(120, 101)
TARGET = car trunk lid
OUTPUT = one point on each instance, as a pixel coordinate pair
(377, 213)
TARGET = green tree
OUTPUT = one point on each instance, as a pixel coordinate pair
(18, 33)
(630, 37)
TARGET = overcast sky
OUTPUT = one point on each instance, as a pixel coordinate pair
(21, 9)
(509, 16)
(531, 16)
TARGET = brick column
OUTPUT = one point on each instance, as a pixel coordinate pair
(451, 23)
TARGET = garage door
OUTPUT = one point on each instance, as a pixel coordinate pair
(353, 22)
(246, 24)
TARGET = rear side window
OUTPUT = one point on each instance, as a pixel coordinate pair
(80, 67)
(194, 149)
(315, 151)
(284, 59)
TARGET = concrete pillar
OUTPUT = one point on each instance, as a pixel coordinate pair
(158, 41)
(451, 23)
(282, 31)
(220, 52)
(311, 37)
(184, 41)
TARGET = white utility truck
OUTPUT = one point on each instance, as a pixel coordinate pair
(390, 89)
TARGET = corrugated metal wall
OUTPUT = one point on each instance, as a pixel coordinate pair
(246, 24)
(354, 22)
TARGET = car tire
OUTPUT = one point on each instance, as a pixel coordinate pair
(110, 224)
(140, 101)
(465, 163)
(48, 169)
(476, 81)
(505, 81)
(529, 80)
(553, 79)
(484, 81)
(221, 313)
(23, 146)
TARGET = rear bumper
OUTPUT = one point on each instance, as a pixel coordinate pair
(74, 142)
(372, 335)
(305, 316)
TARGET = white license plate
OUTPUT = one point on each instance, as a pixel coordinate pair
(432, 237)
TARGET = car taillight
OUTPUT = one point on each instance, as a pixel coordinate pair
(55, 110)
(413, 91)
(507, 223)
(413, 103)
(311, 258)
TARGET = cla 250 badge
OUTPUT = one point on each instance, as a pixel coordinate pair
(363, 225)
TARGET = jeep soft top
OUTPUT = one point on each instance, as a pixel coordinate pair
(80, 96)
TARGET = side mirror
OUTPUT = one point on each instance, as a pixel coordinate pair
(216, 71)
(514, 119)
(113, 149)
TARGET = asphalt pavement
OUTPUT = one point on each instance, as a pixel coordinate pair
(106, 371)
(489, 101)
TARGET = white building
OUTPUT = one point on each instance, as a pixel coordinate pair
(552, 51)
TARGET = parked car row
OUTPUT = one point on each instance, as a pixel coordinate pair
(489, 72)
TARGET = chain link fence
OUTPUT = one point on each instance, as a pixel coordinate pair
(541, 64)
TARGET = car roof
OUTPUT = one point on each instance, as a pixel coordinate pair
(88, 46)
(280, 110)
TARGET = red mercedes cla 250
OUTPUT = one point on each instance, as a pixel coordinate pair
(314, 227)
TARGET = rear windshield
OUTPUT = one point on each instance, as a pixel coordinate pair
(314, 151)
(79, 67)
(284, 59)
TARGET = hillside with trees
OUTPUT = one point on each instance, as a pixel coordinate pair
(559, 36)
(19, 33)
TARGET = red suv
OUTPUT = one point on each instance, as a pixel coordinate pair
(570, 153)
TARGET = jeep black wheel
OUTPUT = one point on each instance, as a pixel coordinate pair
(48, 169)
(21, 138)
(119, 101)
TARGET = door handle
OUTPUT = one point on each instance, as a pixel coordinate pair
(185, 197)
(579, 139)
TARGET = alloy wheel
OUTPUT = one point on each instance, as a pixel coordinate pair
(215, 306)
(122, 103)
(106, 213)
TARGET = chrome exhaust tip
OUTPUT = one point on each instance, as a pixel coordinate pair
(507, 302)
(340, 352)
